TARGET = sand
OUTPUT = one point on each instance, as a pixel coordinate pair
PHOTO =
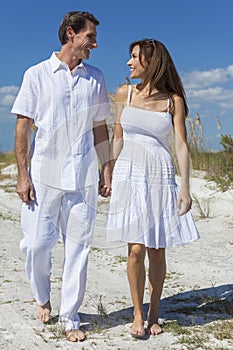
(197, 297)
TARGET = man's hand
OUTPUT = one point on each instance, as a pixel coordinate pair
(25, 190)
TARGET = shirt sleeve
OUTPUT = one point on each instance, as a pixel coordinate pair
(26, 99)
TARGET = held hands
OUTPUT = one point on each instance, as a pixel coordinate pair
(184, 201)
(24, 188)
(105, 189)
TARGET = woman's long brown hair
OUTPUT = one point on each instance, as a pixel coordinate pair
(161, 73)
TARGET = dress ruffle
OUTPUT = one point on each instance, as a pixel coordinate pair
(148, 217)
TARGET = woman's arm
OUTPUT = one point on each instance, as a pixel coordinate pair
(117, 139)
(181, 146)
(101, 141)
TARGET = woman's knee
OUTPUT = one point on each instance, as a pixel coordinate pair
(136, 252)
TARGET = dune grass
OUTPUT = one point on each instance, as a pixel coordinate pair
(217, 165)
(7, 159)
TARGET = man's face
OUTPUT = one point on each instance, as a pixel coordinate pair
(85, 40)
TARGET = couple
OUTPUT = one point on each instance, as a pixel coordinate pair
(66, 100)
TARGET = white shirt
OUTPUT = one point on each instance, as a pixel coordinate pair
(64, 107)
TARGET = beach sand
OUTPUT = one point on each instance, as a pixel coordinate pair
(197, 301)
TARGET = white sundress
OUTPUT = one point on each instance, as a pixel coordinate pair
(143, 203)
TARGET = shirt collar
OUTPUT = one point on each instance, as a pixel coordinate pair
(57, 64)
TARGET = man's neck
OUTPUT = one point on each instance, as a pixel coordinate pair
(71, 60)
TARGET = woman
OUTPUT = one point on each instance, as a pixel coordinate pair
(147, 209)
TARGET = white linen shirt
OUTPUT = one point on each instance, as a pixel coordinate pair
(64, 107)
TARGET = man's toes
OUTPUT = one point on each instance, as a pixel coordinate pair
(43, 312)
(46, 317)
(75, 335)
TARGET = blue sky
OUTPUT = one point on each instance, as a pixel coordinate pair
(198, 34)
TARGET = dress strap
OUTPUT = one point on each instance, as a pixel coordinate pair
(168, 104)
(129, 94)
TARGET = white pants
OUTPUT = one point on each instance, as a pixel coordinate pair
(73, 213)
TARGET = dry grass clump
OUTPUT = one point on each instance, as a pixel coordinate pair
(217, 165)
(203, 207)
(214, 336)
(7, 159)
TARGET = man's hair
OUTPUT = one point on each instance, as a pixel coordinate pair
(76, 20)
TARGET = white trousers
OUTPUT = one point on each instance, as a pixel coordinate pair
(73, 213)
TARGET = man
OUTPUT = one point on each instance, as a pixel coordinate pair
(66, 100)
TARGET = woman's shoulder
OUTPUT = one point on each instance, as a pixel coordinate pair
(122, 93)
(177, 98)
(179, 106)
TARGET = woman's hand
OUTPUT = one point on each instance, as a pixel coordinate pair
(105, 189)
(184, 201)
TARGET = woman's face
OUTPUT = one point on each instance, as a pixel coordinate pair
(136, 69)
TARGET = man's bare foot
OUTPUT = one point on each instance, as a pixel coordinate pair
(154, 328)
(44, 311)
(137, 329)
(75, 335)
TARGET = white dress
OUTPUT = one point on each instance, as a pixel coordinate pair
(144, 191)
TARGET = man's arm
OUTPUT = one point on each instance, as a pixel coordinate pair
(101, 141)
(24, 186)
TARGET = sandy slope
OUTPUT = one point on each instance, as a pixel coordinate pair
(197, 288)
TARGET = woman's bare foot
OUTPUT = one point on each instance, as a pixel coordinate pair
(75, 335)
(154, 328)
(137, 329)
(44, 311)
